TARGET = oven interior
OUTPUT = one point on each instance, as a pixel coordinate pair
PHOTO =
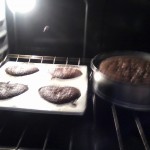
(74, 34)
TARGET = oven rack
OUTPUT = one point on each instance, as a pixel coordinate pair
(103, 126)
(129, 128)
(120, 130)
(46, 59)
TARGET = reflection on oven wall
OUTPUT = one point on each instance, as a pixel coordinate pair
(53, 27)
(118, 25)
(3, 31)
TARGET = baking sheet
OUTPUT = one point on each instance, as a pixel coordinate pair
(31, 101)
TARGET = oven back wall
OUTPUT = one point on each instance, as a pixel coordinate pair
(118, 25)
(54, 27)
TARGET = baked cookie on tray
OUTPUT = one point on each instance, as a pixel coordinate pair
(59, 95)
(9, 90)
(66, 73)
(21, 70)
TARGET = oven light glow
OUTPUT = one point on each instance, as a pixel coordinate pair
(21, 6)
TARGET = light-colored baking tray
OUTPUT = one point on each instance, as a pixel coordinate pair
(31, 101)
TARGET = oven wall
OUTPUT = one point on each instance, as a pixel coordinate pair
(118, 25)
(3, 31)
(54, 27)
(112, 25)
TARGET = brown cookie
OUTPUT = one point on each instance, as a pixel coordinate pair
(66, 73)
(59, 95)
(8, 90)
(21, 70)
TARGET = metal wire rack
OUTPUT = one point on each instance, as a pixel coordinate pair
(128, 128)
(103, 127)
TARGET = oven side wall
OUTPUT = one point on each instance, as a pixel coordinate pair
(118, 25)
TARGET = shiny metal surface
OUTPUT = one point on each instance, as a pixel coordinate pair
(123, 94)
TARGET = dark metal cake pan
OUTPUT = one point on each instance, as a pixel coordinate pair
(128, 95)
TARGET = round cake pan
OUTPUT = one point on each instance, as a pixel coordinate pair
(133, 96)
